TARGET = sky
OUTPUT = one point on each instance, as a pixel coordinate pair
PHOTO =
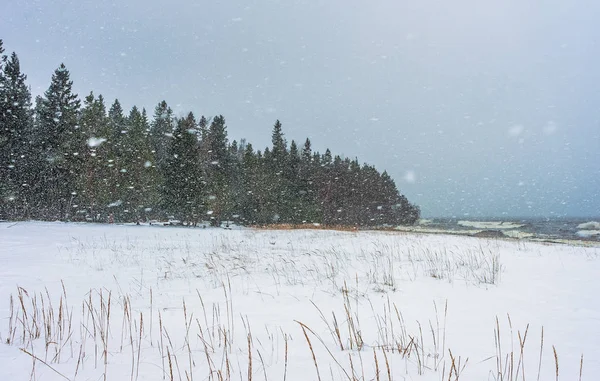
(475, 108)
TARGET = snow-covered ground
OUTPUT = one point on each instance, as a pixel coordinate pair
(93, 302)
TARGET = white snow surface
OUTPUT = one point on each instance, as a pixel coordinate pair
(137, 298)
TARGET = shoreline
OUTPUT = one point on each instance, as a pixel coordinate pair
(507, 234)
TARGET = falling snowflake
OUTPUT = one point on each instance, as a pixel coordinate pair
(95, 142)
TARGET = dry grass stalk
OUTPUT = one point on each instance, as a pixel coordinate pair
(170, 365)
(387, 366)
(311, 350)
(45, 363)
(187, 339)
(249, 358)
(162, 353)
(498, 350)
(305, 328)
(170, 344)
(352, 367)
(456, 367)
(521, 363)
(541, 352)
(263, 364)
(139, 352)
(555, 361)
(151, 315)
(376, 365)
(285, 338)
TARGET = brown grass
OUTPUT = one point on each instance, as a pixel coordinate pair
(311, 351)
(344, 228)
(33, 317)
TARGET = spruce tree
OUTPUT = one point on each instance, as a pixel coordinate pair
(183, 193)
(137, 170)
(95, 176)
(117, 128)
(16, 157)
(218, 172)
(6, 186)
(279, 150)
(60, 145)
(251, 198)
(160, 133)
(277, 201)
(309, 203)
(293, 186)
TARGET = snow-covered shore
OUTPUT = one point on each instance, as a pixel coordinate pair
(147, 303)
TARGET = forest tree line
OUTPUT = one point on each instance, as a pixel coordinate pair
(62, 158)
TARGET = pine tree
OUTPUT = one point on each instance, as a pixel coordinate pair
(251, 198)
(95, 176)
(279, 150)
(203, 127)
(293, 185)
(184, 182)
(307, 151)
(137, 170)
(6, 186)
(15, 128)
(324, 183)
(218, 171)
(309, 203)
(276, 205)
(236, 181)
(60, 145)
(161, 132)
(117, 128)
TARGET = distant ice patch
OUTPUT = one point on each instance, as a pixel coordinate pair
(490, 224)
(592, 225)
(588, 233)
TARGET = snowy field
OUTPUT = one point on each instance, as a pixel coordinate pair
(106, 302)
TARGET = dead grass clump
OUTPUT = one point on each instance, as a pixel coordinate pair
(315, 226)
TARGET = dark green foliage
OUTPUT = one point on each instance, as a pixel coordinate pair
(218, 166)
(60, 144)
(137, 170)
(183, 194)
(60, 162)
(161, 131)
(96, 176)
(15, 133)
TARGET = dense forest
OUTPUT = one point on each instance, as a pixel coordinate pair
(65, 159)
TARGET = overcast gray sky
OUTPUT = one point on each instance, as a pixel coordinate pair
(478, 108)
